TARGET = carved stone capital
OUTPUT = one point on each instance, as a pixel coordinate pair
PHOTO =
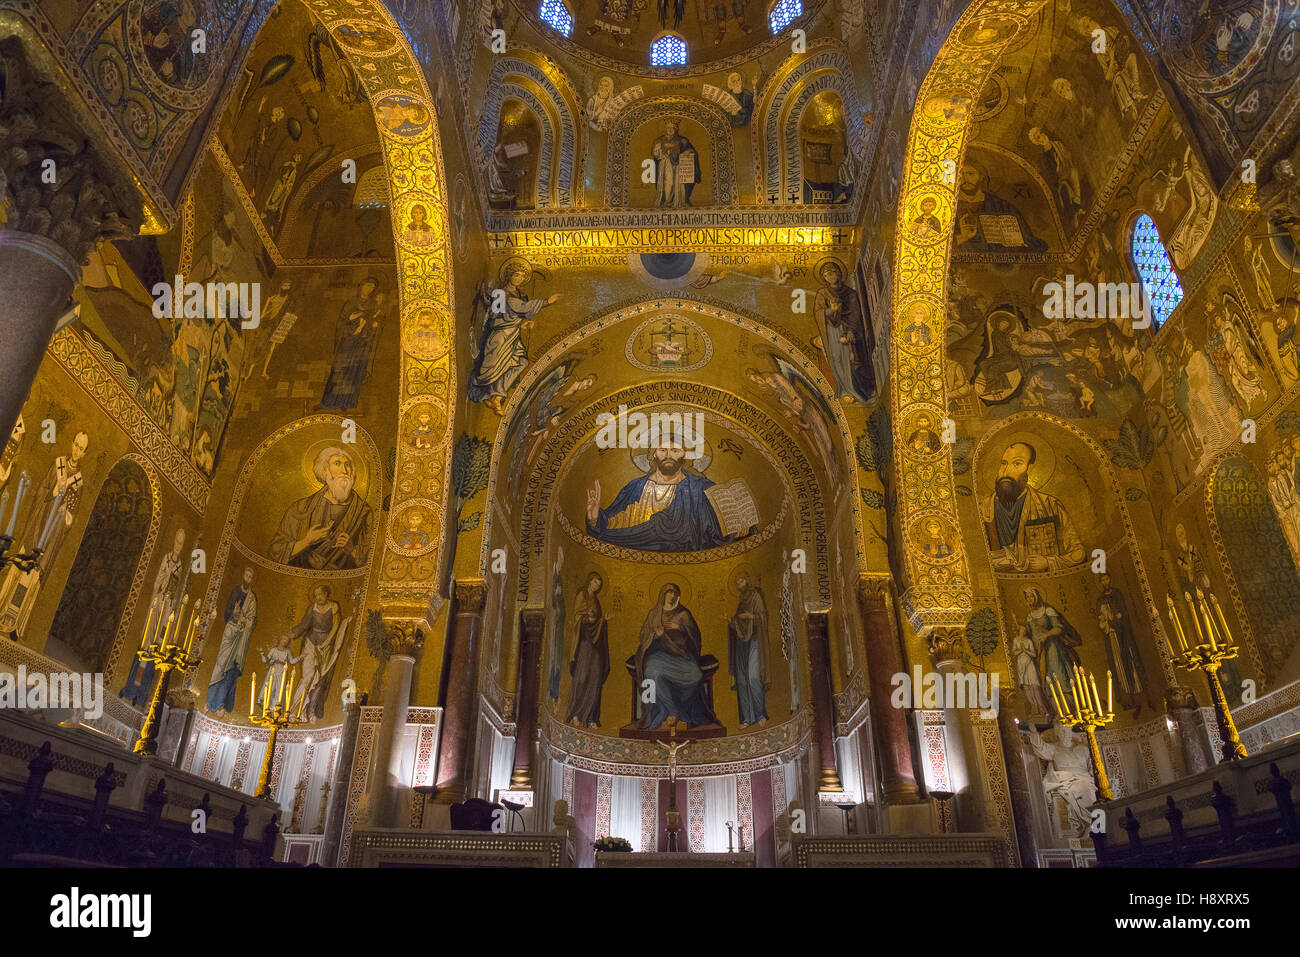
(58, 187)
(404, 637)
(1179, 699)
(470, 595)
(945, 643)
(874, 592)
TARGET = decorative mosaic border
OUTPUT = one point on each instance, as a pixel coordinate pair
(74, 357)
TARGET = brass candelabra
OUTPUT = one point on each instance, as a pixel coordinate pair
(1081, 709)
(1213, 646)
(25, 561)
(274, 714)
(162, 647)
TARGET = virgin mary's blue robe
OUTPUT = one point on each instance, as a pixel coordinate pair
(687, 525)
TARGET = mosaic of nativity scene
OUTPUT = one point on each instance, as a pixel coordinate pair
(971, 329)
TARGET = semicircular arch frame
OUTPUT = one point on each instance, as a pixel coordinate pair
(797, 81)
(559, 112)
(619, 161)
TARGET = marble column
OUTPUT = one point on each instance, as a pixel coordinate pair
(339, 784)
(819, 655)
(531, 625)
(389, 784)
(884, 660)
(972, 813)
(63, 201)
(459, 686)
(1018, 787)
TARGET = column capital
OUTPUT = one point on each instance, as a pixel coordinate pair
(405, 637)
(58, 186)
(875, 592)
(945, 643)
(470, 594)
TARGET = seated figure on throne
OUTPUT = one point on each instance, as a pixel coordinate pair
(668, 657)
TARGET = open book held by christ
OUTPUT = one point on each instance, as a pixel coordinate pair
(734, 506)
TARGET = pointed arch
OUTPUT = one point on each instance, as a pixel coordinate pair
(938, 594)
(515, 406)
(410, 139)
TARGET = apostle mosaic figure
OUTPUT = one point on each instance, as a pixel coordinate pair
(1122, 658)
(329, 529)
(321, 631)
(355, 337)
(843, 332)
(164, 601)
(1028, 529)
(677, 167)
(56, 501)
(1054, 637)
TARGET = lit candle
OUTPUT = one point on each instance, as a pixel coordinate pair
(167, 630)
(1060, 710)
(18, 500)
(55, 515)
(189, 635)
(1096, 698)
(1223, 622)
(301, 704)
(266, 696)
(252, 697)
(1109, 698)
(1178, 627)
(148, 625)
(180, 620)
(1196, 618)
(288, 694)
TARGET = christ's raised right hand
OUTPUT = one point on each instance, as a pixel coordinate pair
(593, 502)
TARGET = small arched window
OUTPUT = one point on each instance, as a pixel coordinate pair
(1154, 269)
(668, 50)
(784, 13)
(372, 188)
(557, 16)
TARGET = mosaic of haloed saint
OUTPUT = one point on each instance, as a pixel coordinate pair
(291, 635)
(307, 506)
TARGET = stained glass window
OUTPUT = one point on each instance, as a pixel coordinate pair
(1154, 269)
(555, 13)
(784, 13)
(668, 50)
